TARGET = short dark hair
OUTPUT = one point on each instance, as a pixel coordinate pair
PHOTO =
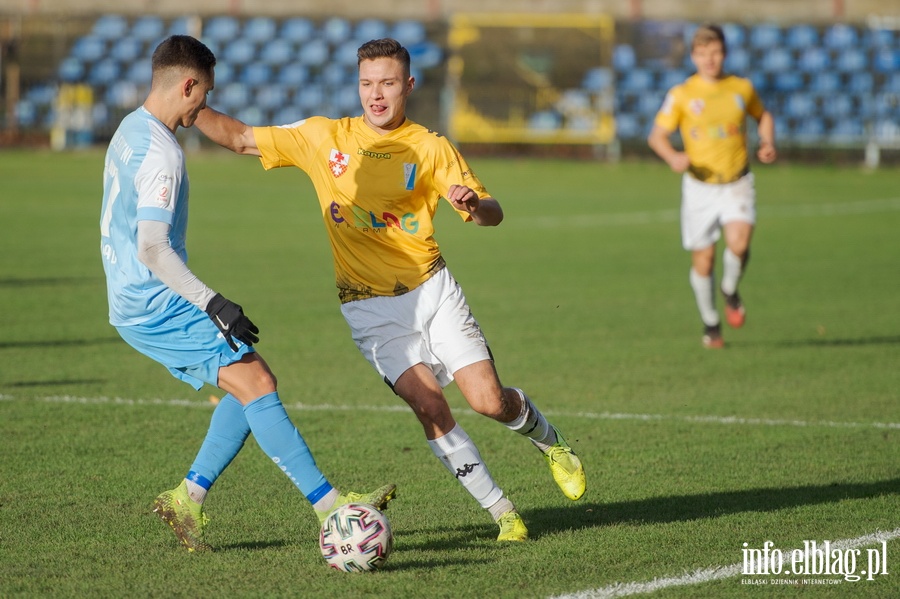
(383, 48)
(708, 33)
(183, 51)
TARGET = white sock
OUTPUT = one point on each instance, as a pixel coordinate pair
(532, 424)
(326, 501)
(195, 491)
(732, 269)
(458, 453)
(706, 298)
(500, 508)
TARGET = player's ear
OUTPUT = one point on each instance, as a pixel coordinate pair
(187, 86)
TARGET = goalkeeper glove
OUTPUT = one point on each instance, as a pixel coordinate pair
(229, 318)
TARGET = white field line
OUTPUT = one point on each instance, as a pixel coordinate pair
(724, 420)
(626, 589)
(672, 215)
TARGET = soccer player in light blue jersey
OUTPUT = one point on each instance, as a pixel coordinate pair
(167, 313)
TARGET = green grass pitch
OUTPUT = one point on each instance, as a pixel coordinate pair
(789, 434)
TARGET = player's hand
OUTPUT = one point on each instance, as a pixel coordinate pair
(229, 318)
(766, 153)
(679, 162)
(463, 198)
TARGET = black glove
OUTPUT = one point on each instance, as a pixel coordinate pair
(230, 319)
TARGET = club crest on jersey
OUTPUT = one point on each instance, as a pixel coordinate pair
(696, 106)
(338, 162)
(409, 175)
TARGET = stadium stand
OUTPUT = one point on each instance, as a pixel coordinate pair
(838, 83)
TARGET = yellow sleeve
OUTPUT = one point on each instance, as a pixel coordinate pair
(669, 115)
(451, 168)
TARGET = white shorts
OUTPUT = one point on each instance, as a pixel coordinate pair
(432, 325)
(705, 207)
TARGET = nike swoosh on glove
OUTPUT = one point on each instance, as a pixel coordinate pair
(229, 318)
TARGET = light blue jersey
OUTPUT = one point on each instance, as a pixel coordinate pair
(144, 178)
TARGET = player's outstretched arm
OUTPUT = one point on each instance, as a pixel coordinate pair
(227, 131)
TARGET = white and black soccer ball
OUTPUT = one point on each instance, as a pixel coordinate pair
(356, 537)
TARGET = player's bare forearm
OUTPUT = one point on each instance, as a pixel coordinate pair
(489, 212)
(227, 131)
(767, 152)
(659, 143)
(484, 211)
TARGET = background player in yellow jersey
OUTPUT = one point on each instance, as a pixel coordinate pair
(710, 110)
(379, 178)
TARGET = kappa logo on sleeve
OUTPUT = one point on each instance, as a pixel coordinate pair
(338, 162)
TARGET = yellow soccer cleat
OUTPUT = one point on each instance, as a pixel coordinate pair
(512, 528)
(185, 516)
(566, 468)
(380, 498)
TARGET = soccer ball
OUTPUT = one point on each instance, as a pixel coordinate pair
(356, 537)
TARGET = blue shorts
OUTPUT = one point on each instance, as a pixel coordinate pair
(185, 341)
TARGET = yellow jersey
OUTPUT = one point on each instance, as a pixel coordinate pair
(378, 195)
(711, 117)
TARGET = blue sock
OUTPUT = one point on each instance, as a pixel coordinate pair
(228, 429)
(282, 442)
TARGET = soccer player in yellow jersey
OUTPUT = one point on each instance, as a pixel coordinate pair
(710, 110)
(379, 178)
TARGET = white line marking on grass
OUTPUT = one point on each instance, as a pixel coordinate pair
(647, 217)
(625, 589)
(728, 420)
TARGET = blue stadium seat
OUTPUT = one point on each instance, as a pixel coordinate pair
(184, 26)
(313, 53)
(346, 100)
(148, 28)
(636, 80)
(293, 74)
(627, 126)
(649, 104)
(42, 95)
(239, 52)
(425, 55)
(847, 130)
(544, 121)
(225, 73)
(370, 29)
(598, 79)
(232, 96)
(737, 61)
(287, 115)
(297, 30)
(277, 52)
(103, 72)
(886, 105)
(837, 106)
(776, 59)
(222, 29)
(259, 29)
(765, 36)
(345, 53)
(338, 76)
(851, 60)
(799, 105)
(735, 36)
(623, 58)
(787, 81)
(803, 36)
(840, 36)
(762, 82)
(408, 32)
(139, 72)
(669, 78)
(860, 83)
(256, 73)
(89, 48)
(335, 30)
(808, 130)
(309, 99)
(813, 59)
(891, 83)
(126, 50)
(110, 27)
(70, 70)
(878, 38)
(887, 131)
(825, 82)
(887, 60)
(26, 113)
(272, 96)
(122, 94)
(252, 115)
